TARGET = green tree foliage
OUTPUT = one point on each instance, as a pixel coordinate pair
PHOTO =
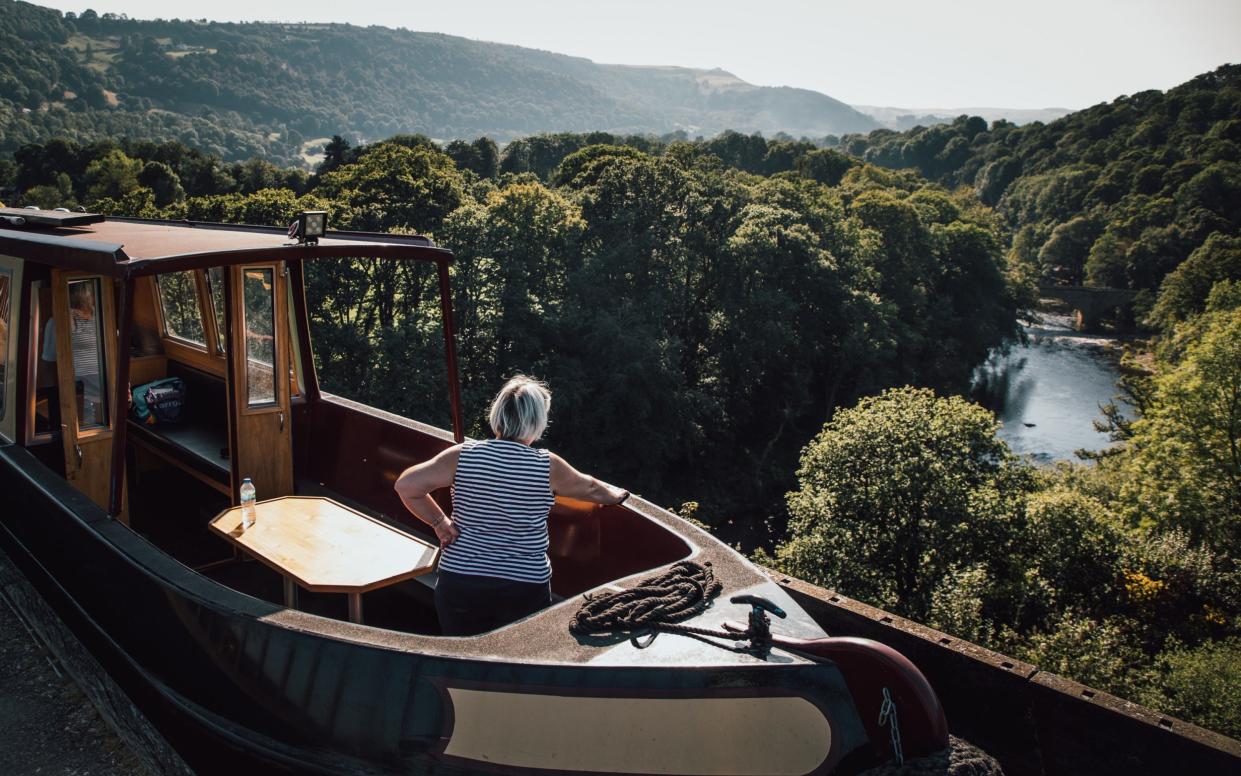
(1127, 189)
(909, 501)
(1065, 253)
(825, 165)
(698, 322)
(269, 207)
(1184, 461)
(1184, 292)
(112, 176)
(163, 183)
(898, 493)
(395, 186)
(1201, 683)
(481, 157)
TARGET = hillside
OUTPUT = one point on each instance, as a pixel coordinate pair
(908, 118)
(239, 90)
(1119, 194)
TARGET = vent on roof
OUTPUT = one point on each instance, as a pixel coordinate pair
(28, 217)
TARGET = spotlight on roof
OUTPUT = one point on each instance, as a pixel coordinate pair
(309, 227)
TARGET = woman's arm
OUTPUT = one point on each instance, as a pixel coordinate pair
(567, 481)
(418, 482)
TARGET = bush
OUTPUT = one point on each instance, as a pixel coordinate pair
(1201, 684)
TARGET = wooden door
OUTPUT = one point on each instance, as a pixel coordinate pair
(258, 355)
(85, 326)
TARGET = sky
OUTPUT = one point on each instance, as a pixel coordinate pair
(900, 53)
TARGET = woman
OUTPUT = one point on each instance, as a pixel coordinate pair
(493, 568)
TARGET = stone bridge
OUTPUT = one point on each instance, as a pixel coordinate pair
(1089, 303)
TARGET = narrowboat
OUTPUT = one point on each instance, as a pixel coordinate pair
(245, 654)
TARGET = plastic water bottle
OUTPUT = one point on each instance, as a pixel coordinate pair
(248, 511)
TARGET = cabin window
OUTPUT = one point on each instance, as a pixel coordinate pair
(258, 312)
(86, 341)
(215, 286)
(6, 310)
(178, 296)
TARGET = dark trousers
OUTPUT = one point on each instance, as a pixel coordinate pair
(468, 605)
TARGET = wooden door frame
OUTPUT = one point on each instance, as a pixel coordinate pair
(72, 435)
(236, 361)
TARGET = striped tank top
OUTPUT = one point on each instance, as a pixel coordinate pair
(500, 500)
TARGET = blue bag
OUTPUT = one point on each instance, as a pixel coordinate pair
(160, 401)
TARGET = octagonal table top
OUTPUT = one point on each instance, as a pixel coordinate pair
(325, 546)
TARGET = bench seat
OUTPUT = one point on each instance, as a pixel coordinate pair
(194, 448)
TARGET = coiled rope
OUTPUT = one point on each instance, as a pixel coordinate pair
(658, 603)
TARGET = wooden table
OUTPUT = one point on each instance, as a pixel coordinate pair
(326, 547)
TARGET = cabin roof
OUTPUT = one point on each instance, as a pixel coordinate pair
(124, 247)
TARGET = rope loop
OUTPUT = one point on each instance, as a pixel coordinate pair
(658, 603)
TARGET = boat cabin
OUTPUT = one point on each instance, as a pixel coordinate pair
(92, 308)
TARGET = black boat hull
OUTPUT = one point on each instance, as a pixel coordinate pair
(232, 684)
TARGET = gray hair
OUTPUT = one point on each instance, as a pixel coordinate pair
(519, 411)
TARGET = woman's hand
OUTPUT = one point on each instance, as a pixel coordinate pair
(567, 481)
(416, 484)
(446, 531)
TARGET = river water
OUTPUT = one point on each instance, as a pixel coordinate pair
(1047, 393)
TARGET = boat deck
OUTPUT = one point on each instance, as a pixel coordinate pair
(403, 616)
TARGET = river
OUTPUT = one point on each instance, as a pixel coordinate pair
(1047, 393)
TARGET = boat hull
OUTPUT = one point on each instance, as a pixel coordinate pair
(233, 681)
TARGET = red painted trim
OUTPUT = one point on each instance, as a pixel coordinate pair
(450, 352)
(297, 280)
(868, 667)
(228, 258)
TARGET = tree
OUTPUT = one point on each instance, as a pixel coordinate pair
(487, 158)
(1184, 291)
(1201, 683)
(827, 166)
(897, 493)
(1063, 256)
(163, 182)
(482, 157)
(395, 186)
(1183, 465)
(335, 153)
(44, 197)
(112, 176)
(513, 259)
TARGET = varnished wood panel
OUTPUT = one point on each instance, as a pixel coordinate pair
(145, 369)
(88, 452)
(264, 434)
(178, 463)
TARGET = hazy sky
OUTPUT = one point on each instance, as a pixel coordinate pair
(906, 53)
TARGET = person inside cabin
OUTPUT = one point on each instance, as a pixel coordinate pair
(84, 340)
(493, 567)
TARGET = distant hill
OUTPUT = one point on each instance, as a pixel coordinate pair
(274, 90)
(1119, 194)
(908, 118)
